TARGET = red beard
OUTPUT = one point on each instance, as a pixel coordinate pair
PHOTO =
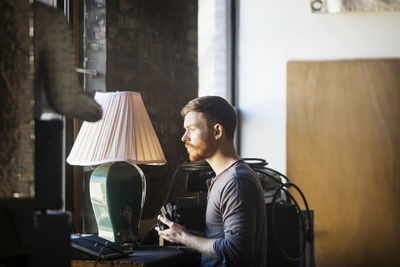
(202, 151)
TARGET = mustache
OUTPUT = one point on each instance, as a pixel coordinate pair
(187, 145)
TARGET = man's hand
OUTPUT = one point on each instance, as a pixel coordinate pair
(179, 234)
(175, 233)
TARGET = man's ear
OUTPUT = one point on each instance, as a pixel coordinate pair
(218, 131)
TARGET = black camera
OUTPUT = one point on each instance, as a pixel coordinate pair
(171, 212)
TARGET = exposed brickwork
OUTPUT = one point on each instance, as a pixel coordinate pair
(16, 101)
(152, 49)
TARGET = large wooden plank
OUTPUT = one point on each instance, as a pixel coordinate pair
(343, 150)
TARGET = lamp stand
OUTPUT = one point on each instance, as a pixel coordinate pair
(117, 193)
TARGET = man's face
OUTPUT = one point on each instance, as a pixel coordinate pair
(198, 138)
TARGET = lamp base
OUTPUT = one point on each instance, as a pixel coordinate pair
(117, 193)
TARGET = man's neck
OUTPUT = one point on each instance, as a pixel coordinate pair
(222, 159)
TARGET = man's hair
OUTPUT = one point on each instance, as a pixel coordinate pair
(216, 110)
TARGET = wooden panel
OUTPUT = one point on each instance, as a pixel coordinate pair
(343, 150)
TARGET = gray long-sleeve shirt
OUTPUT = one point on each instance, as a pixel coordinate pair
(236, 216)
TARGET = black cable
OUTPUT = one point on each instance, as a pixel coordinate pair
(259, 166)
(309, 237)
(297, 258)
(171, 184)
(307, 233)
(278, 173)
(98, 256)
(270, 176)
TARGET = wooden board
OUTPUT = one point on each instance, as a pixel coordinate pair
(343, 150)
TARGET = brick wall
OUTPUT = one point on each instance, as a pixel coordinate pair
(16, 102)
(152, 49)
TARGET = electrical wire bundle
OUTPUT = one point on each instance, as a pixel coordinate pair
(282, 184)
(271, 181)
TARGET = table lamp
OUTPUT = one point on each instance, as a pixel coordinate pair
(123, 139)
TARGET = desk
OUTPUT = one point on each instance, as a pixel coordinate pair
(148, 256)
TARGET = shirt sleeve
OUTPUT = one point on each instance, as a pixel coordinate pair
(238, 208)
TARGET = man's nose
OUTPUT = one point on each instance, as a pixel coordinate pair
(184, 137)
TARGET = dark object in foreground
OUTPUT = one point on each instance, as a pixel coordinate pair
(171, 212)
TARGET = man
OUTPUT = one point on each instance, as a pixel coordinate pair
(235, 233)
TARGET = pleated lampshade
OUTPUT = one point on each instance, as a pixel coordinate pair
(125, 133)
